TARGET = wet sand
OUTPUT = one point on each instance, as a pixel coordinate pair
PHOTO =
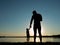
(29, 43)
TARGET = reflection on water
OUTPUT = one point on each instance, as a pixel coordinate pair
(31, 39)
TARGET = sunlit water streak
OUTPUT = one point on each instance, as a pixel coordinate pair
(31, 40)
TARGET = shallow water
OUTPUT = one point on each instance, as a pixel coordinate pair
(31, 39)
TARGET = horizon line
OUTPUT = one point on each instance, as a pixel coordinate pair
(54, 36)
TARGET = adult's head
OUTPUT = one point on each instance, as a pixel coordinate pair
(34, 12)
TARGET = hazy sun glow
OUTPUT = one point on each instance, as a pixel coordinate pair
(32, 32)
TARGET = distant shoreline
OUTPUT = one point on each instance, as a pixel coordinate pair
(54, 36)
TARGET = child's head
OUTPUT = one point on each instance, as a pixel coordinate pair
(27, 29)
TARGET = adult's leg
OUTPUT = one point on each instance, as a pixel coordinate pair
(40, 35)
(35, 34)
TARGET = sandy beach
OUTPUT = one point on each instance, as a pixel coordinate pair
(30, 43)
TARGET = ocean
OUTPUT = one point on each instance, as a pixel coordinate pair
(45, 39)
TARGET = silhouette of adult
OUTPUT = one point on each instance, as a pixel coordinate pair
(37, 24)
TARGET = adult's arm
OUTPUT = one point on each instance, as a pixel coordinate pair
(31, 21)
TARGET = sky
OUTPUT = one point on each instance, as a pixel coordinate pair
(15, 16)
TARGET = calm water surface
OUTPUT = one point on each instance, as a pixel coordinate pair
(31, 39)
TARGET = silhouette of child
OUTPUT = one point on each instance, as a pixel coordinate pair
(27, 33)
